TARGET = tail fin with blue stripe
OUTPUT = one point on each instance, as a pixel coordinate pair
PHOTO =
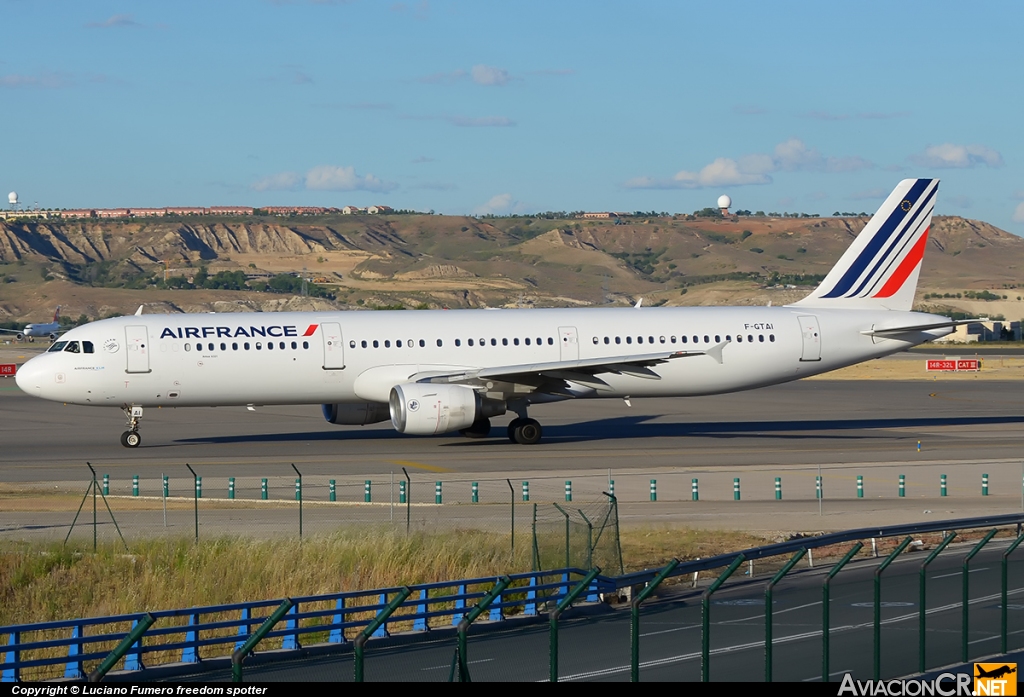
(881, 267)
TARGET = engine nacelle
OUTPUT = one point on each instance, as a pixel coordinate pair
(424, 409)
(20, 336)
(356, 414)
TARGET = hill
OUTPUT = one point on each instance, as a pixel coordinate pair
(97, 267)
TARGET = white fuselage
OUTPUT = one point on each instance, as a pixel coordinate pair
(344, 357)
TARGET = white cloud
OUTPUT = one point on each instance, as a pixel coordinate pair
(502, 204)
(489, 75)
(333, 178)
(790, 155)
(482, 121)
(282, 181)
(46, 80)
(1018, 214)
(949, 155)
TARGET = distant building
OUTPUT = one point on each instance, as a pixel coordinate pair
(77, 213)
(146, 212)
(112, 212)
(597, 215)
(184, 210)
(231, 210)
(376, 210)
(351, 210)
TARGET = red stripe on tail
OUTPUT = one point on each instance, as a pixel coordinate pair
(903, 271)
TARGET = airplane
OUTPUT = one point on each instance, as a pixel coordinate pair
(434, 372)
(995, 672)
(51, 330)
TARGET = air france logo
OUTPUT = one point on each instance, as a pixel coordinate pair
(414, 404)
(250, 332)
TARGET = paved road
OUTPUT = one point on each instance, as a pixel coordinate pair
(595, 642)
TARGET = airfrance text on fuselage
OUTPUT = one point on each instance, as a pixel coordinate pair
(231, 332)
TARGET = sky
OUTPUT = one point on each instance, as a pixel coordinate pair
(513, 107)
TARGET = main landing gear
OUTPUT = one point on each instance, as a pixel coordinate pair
(524, 431)
(131, 437)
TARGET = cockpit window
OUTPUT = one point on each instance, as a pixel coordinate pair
(87, 347)
(57, 346)
(72, 347)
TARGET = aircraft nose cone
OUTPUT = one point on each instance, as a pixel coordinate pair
(29, 377)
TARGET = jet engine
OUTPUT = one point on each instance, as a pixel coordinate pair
(356, 414)
(19, 336)
(425, 409)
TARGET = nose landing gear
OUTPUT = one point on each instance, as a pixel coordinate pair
(131, 437)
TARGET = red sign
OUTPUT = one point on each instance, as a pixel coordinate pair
(8, 369)
(954, 365)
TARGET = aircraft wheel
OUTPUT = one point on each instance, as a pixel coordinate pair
(131, 439)
(512, 426)
(528, 432)
(479, 429)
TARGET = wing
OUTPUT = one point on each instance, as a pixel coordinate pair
(12, 331)
(554, 377)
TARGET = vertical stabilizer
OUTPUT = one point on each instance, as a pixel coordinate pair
(880, 269)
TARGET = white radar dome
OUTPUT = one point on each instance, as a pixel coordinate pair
(12, 198)
(724, 202)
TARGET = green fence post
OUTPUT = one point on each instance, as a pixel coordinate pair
(360, 641)
(634, 618)
(825, 600)
(231, 487)
(298, 495)
(106, 485)
(923, 601)
(401, 492)
(967, 560)
(705, 612)
(333, 490)
(903, 485)
(568, 490)
(878, 604)
(476, 492)
(526, 491)
(768, 610)
(942, 485)
(167, 486)
(471, 617)
(135, 485)
(437, 492)
(654, 490)
(860, 486)
(736, 489)
(611, 487)
(984, 485)
(145, 622)
(263, 489)
(563, 604)
(298, 489)
(778, 488)
(245, 649)
(693, 490)
(817, 486)
(1003, 592)
(566, 514)
(199, 487)
(366, 492)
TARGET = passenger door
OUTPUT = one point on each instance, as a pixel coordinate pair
(334, 348)
(568, 343)
(811, 337)
(137, 348)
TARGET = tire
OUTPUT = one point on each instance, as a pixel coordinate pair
(528, 432)
(131, 439)
(512, 426)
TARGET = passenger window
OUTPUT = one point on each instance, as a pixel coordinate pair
(246, 345)
(551, 342)
(458, 342)
(629, 340)
(440, 343)
(494, 342)
(728, 337)
(662, 339)
(718, 339)
(270, 345)
(387, 343)
(72, 347)
(760, 337)
(504, 342)
(398, 343)
(305, 345)
(515, 341)
(540, 342)
(410, 343)
(259, 345)
(223, 347)
(376, 344)
(696, 339)
(771, 337)
(707, 339)
(363, 343)
(683, 339)
(606, 340)
(650, 340)
(188, 347)
(618, 340)
(672, 338)
(739, 338)
(295, 345)
(422, 343)
(351, 344)
(234, 346)
(750, 338)
(527, 340)
(469, 342)
(639, 340)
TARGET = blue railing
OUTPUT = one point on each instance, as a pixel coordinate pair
(347, 613)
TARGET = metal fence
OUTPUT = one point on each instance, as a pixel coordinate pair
(876, 580)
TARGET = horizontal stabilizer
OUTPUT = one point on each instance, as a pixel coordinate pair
(885, 331)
